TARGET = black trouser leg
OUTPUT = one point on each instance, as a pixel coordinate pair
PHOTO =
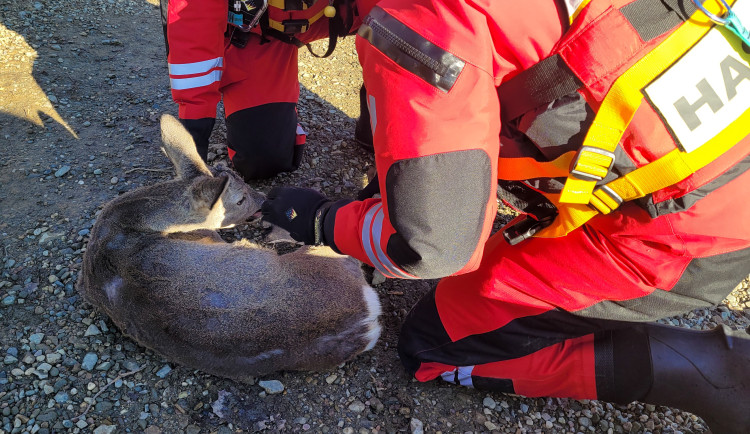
(264, 140)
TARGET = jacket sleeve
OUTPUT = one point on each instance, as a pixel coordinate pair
(195, 33)
(435, 117)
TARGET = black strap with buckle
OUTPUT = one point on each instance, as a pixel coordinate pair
(525, 228)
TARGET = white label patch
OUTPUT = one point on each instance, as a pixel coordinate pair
(705, 90)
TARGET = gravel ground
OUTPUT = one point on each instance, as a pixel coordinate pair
(82, 84)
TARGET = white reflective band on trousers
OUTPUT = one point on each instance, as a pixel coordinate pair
(196, 67)
(460, 376)
(205, 67)
(372, 231)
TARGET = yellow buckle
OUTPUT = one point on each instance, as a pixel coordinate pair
(605, 200)
(592, 164)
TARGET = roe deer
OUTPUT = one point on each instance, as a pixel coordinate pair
(158, 268)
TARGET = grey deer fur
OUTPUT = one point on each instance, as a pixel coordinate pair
(157, 267)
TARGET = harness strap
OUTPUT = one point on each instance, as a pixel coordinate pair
(667, 170)
(336, 27)
(619, 106)
(539, 85)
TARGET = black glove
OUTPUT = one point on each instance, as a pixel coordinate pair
(300, 211)
(200, 129)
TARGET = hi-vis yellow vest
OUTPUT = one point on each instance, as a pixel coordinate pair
(667, 91)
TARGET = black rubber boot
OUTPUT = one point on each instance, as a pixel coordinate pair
(704, 372)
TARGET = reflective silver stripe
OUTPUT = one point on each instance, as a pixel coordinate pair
(463, 378)
(196, 67)
(367, 240)
(300, 131)
(377, 232)
(373, 112)
(193, 82)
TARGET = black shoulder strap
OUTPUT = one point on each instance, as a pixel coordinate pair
(333, 37)
(337, 26)
(541, 84)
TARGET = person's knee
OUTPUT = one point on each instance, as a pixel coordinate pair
(262, 140)
(261, 162)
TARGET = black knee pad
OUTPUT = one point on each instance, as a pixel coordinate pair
(264, 140)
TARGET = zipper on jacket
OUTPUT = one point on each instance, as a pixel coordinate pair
(413, 52)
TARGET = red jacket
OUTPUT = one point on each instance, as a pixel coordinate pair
(431, 69)
(195, 33)
(436, 125)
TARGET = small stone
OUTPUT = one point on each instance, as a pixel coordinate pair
(62, 171)
(357, 407)
(97, 171)
(89, 361)
(105, 429)
(9, 300)
(416, 426)
(62, 397)
(104, 366)
(130, 365)
(377, 278)
(36, 338)
(114, 180)
(272, 387)
(376, 405)
(331, 378)
(86, 124)
(92, 331)
(489, 403)
(164, 371)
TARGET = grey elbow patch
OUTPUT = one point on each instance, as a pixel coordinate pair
(437, 204)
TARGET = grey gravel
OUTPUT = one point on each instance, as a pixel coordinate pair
(82, 85)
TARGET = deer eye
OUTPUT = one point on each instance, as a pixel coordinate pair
(241, 201)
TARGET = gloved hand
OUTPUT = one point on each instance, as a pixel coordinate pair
(298, 210)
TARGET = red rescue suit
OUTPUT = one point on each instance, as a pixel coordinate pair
(548, 316)
(258, 82)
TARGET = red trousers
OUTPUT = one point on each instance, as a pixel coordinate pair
(552, 317)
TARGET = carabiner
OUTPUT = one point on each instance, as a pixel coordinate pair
(730, 20)
(713, 17)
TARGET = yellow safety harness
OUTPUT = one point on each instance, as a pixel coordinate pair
(584, 200)
(584, 196)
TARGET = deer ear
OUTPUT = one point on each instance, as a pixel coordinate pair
(205, 191)
(179, 146)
